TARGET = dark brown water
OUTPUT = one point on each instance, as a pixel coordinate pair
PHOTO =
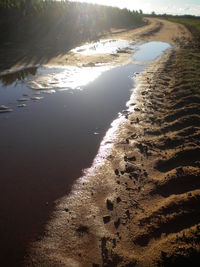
(45, 146)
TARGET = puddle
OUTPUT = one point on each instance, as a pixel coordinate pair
(52, 135)
(102, 47)
(46, 145)
(65, 77)
(150, 51)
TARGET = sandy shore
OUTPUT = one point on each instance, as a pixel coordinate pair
(138, 205)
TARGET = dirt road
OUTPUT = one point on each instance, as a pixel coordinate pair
(139, 204)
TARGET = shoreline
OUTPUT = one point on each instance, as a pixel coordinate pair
(154, 30)
(123, 212)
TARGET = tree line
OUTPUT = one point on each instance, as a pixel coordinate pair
(33, 21)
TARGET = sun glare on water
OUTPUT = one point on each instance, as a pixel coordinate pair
(65, 78)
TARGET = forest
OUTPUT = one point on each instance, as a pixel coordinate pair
(59, 23)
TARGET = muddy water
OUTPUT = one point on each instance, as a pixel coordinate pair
(47, 142)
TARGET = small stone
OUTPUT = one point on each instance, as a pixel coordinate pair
(133, 136)
(129, 169)
(82, 229)
(128, 214)
(132, 158)
(109, 204)
(117, 172)
(114, 243)
(137, 109)
(117, 223)
(118, 199)
(135, 175)
(125, 158)
(106, 219)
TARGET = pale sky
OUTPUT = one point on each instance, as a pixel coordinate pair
(175, 7)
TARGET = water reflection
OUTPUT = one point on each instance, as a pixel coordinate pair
(69, 77)
(50, 79)
(150, 51)
(102, 47)
(19, 75)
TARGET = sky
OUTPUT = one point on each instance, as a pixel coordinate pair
(174, 7)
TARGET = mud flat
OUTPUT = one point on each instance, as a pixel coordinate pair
(138, 205)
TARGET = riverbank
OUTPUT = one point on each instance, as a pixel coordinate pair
(138, 204)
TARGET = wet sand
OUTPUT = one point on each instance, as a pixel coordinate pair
(138, 205)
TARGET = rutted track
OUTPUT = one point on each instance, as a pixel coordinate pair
(141, 208)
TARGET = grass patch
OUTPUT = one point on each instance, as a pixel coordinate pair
(190, 22)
